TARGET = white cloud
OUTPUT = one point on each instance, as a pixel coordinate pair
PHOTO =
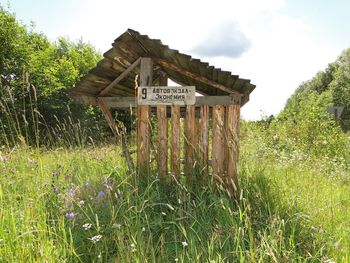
(224, 39)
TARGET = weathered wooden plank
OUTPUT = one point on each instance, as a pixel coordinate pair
(218, 144)
(197, 77)
(119, 78)
(127, 102)
(203, 141)
(217, 100)
(143, 121)
(232, 147)
(175, 142)
(162, 153)
(190, 141)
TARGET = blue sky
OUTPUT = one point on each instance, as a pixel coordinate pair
(275, 43)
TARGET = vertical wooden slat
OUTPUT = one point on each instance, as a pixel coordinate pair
(203, 141)
(190, 140)
(232, 133)
(218, 144)
(162, 153)
(175, 141)
(143, 121)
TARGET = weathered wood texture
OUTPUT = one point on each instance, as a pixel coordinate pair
(162, 126)
(190, 140)
(127, 102)
(203, 141)
(218, 144)
(119, 78)
(175, 142)
(143, 121)
(181, 68)
(232, 139)
(194, 76)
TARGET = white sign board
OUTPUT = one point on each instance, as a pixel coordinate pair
(160, 95)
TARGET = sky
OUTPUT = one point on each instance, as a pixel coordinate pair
(277, 44)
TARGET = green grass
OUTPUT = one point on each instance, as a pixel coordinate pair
(286, 212)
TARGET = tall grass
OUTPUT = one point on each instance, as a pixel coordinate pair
(23, 124)
(83, 206)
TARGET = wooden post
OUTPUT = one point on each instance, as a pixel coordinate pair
(203, 141)
(232, 133)
(143, 121)
(175, 141)
(190, 141)
(218, 144)
(162, 153)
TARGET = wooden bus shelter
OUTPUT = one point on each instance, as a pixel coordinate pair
(208, 129)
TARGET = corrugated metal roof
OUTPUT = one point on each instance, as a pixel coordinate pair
(131, 45)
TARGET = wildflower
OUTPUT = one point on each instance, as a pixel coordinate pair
(71, 192)
(115, 225)
(100, 194)
(133, 247)
(81, 202)
(184, 244)
(95, 239)
(176, 260)
(70, 215)
(87, 184)
(87, 226)
(143, 229)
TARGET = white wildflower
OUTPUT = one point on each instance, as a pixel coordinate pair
(133, 247)
(95, 239)
(143, 229)
(87, 226)
(176, 260)
(184, 244)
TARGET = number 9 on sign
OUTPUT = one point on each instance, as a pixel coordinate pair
(144, 93)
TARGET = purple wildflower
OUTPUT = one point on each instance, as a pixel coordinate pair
(71, 192)
(70, 215)
(100, 194)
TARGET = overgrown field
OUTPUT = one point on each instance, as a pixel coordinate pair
(81, 205)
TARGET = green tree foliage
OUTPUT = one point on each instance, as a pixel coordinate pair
(36, 74)
(333, 83)
(304, 127)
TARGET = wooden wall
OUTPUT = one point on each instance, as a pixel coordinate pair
(187, 151)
